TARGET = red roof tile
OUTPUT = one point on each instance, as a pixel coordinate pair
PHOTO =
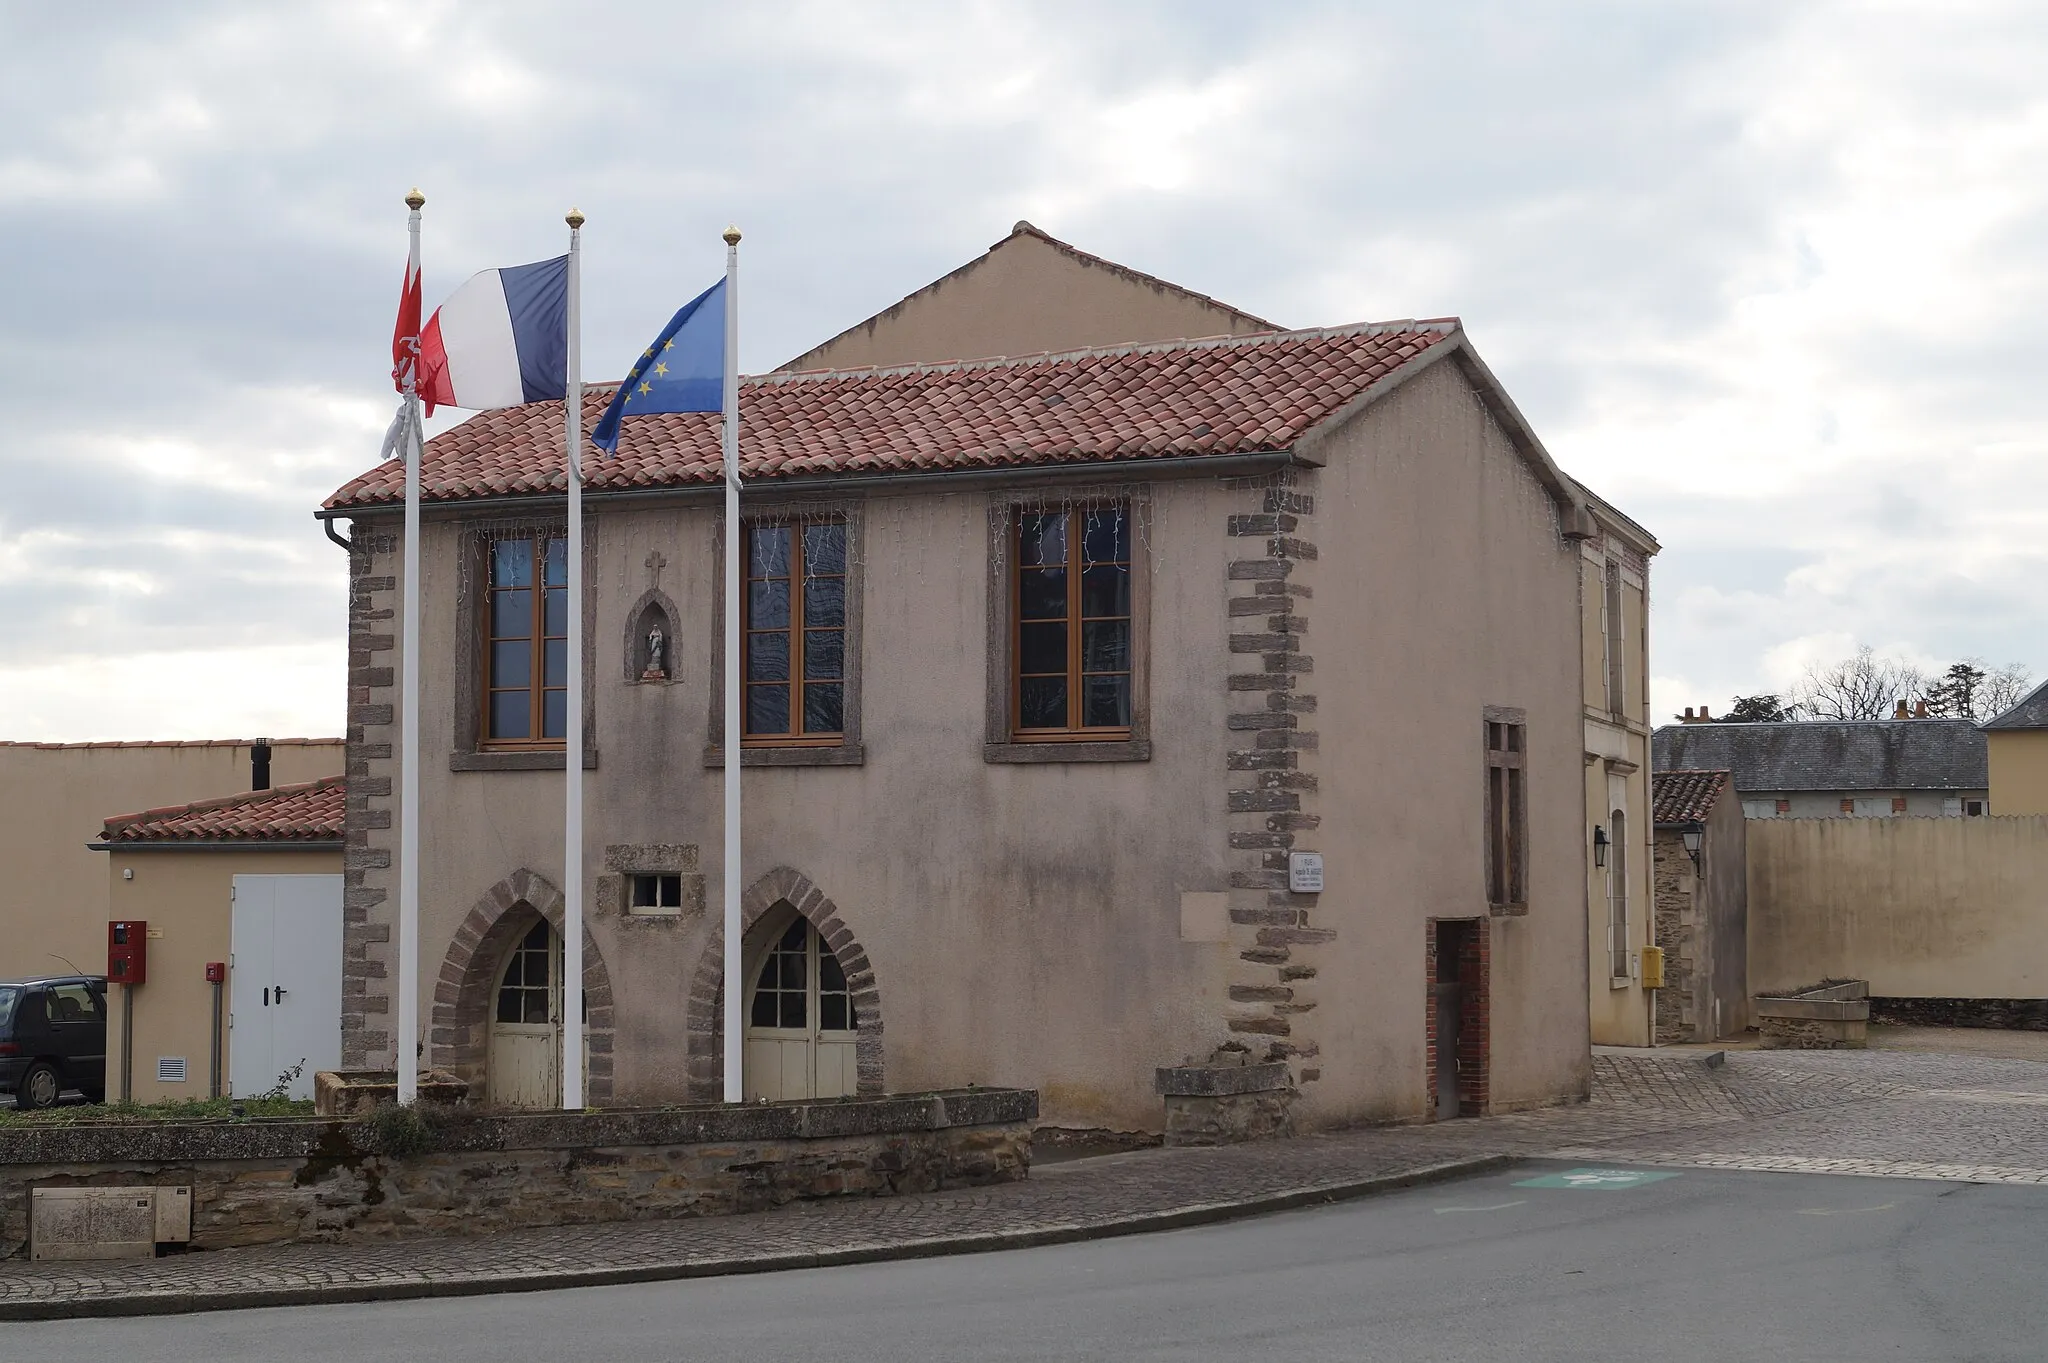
(1177, 398)
(1684, 796)
(308, 812)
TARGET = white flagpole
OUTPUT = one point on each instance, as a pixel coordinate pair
(734, 985)
(572, 755)
(407, 1038)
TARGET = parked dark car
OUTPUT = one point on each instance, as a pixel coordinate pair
(53, 1037)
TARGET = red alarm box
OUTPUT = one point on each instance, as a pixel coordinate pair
(216, 972)
(127, 951)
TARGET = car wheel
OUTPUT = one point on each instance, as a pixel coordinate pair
(39, 1086)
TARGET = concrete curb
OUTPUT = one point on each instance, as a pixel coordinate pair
(157, 1303)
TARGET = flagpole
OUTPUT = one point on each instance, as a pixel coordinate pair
(734, 985)
(572, 849)
(406, 1039)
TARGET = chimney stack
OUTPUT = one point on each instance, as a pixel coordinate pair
(1687, 718)
(259, 765)
(1902, 712)
(1705, 717)
(1919, 709)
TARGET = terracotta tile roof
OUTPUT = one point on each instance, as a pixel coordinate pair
(1684, 796)
(1220, 396)
(308, 812)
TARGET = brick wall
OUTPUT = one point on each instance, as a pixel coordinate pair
(1272, 785)
(366, 1040)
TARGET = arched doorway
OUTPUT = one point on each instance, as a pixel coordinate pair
(802, 1023)
(526, 1022)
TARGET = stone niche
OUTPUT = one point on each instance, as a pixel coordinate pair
(279, 1180)
(1833, 1015)
(1225, 1103)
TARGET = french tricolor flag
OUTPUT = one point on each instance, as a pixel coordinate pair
(500, 340)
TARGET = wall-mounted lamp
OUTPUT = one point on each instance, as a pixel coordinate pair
(1599, 845)
(1693, 834)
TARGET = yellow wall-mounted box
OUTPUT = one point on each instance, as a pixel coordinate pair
(1653, 967)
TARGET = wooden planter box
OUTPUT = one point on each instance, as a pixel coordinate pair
(1828, 1017)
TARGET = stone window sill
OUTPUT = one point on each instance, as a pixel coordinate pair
(837, 755)
(521, 760)
(1120, 750)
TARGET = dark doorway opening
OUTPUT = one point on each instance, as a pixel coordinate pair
(1458, 1018)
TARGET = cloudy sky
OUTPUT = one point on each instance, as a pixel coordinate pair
(1772, 278)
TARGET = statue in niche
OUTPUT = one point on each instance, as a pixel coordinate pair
(657, 656)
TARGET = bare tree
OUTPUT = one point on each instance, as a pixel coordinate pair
(2003, 687)
(1863, 687)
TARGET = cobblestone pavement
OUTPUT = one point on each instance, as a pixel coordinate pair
(1972, 1117)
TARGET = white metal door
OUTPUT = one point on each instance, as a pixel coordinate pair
(285, 982)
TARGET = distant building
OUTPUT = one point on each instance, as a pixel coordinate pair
(2017, 756)
(1874, 768)
(1702, 906)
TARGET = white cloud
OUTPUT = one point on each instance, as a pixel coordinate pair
(1773, 279)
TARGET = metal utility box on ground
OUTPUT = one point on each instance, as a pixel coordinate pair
(107, 1223)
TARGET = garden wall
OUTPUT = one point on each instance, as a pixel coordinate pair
(285, 1179)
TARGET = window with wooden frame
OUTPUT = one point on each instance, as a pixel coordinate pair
(525, 681)
(1507, 815)
(1070, 647)
(793, 624)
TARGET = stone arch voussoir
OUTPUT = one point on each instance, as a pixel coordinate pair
(460, 1041)
(704, 1017)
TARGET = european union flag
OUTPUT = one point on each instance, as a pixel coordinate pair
(683, 371)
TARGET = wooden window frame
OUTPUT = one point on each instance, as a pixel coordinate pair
(1005, 742)
(1505, 741)
(537, 638)
(468, 750)
(798, 578)
(844, 750)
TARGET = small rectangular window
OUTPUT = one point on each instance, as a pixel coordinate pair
(1506, 814)
(1070, 653)
(654, 893)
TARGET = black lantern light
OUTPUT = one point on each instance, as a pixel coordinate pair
(1693, 834)
(1599, 844)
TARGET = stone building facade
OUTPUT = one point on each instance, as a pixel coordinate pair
(1351, 628)
(1701, 908)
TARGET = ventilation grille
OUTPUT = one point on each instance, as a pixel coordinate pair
(170, 1069)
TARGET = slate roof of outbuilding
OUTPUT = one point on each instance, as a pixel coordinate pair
(2031, 712)
(308, 812)
(1220, 396)
(1874, 754)
(1678, 797)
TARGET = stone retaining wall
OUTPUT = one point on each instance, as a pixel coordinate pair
(267, 1182)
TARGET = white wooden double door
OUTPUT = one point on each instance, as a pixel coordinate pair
(284, 982)
(801, 1021)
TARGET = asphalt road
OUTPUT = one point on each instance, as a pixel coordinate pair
(1694, 1265)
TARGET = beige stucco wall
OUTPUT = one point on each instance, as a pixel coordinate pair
(1025, 296)
(1617, 776)
(184, 896)
(2019, 770)
(1928, 908)
(1012, 913)
(1024, 921)
(53, 893)
(1443, 586)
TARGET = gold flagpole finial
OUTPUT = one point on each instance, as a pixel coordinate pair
(575, 218)
(732, 236)
(415, 200)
